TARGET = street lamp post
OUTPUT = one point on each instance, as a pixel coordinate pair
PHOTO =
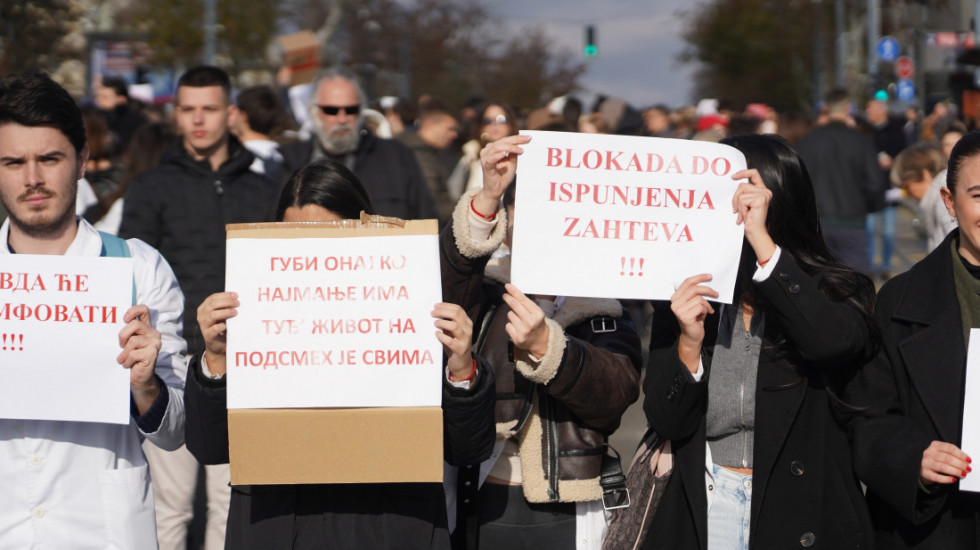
(874, 29)
(976, 37)
(839, 51)
(210, 27)
(817, 52)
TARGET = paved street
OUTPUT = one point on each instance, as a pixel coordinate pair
(909, 249)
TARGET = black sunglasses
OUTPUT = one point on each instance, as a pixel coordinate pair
(351, 110)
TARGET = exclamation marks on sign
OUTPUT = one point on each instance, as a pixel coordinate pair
(635, 266)
(13, 342)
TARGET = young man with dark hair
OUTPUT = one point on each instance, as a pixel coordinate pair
(181, 207)
(263, 110)
(82, 484)
(203, 182)
(438, 126)
(206, 76)
(258, 118)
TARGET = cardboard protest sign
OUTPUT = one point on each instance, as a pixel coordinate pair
(334, 317)
(624, 217)
(339, 322)
(301, 53)
(970, 442)
(60, 319)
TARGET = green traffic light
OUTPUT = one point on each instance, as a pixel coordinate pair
(590, 48)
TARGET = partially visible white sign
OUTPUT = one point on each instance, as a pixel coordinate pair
(624, 217)
(60, 319)
(334, 322)
(970, 443)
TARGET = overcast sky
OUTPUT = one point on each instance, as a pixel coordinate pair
(638, 43)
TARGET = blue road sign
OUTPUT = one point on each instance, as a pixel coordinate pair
(905, 90)
(888, 49)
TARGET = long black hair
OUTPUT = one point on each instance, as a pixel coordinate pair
(327, 184)
(794, 223)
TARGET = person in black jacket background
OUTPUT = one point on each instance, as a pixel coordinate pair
(180, 208)
(363, 516)
(847, 181)
(889, 139)
(203, 182)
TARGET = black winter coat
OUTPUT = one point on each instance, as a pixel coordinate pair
(804, 492)
(914, 392)
(386, 167)
(363, 516)
(889, 138)
(843, 166)
(181, 208)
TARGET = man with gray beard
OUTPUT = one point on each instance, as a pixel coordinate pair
(387, 168)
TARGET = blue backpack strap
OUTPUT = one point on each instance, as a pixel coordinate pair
(115, 247)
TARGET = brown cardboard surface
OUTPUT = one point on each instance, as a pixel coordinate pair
(300, 52)
(371, 445)
(364, 445)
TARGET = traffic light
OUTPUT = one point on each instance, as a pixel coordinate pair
(590, 48)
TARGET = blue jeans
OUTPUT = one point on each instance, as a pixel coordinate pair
(887, 215)
(731, 505)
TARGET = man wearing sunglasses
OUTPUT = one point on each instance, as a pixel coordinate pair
(387, 168)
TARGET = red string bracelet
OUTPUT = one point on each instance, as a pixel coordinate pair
(764, 262)
(468, 378)
(491, 217)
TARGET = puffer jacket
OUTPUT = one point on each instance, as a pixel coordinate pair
(565, 406)
(181, 208)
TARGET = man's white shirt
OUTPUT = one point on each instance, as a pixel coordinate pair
(86, 485)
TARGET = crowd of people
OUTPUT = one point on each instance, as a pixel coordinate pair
(812, 411)
(275, 125)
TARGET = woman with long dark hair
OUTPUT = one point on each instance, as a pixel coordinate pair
(364, 516)
(143, 152)
(746, 392)
(907, 441)
(495, 121)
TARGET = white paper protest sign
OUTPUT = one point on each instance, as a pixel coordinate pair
(60, 318)
(970, 443)
(624, 217)
(334, 322)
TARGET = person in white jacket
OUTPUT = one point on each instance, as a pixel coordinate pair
(66, 484)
